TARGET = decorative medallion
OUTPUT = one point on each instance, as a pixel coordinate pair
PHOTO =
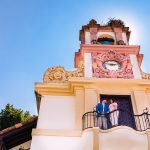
(111, 64)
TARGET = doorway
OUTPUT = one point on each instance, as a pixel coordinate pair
(126, 115)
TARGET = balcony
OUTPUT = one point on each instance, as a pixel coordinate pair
(115, 118)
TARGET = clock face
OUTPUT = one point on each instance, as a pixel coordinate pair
(112, 65)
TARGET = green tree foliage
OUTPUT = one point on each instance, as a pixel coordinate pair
(10, 116)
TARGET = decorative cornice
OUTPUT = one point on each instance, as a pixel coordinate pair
(127, 49)
(59, 74)
(145, 75)
(74, 83)
(90, 48)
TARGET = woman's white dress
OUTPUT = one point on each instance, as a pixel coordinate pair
(114, 115)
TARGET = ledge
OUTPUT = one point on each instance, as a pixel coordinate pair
(128, 49)
(82, 82)
(64, 133)
(78, 133)
(117, 128)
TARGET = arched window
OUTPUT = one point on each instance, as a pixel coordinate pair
(105, 39)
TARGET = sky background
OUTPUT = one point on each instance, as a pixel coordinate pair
(37, 34)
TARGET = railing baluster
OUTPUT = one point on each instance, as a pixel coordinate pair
(148, 116)
(143, 125)
(140, 123)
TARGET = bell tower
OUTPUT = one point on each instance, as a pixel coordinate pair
(75, 107)
(106, 53)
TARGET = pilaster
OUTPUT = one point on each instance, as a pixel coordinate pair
(96, 139)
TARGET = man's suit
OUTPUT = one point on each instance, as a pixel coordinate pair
(101, 110)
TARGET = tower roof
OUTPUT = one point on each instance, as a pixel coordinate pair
(109, 26)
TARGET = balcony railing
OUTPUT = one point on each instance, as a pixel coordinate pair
(116, 118)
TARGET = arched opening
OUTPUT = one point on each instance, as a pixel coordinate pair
(105, 39)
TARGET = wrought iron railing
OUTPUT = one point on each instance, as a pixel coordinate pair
(116, 118)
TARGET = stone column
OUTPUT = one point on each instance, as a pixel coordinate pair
(118, 34)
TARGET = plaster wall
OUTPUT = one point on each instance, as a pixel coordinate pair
(57, 112)
(91, 99)
(123, 139)
(85, 142)
(117, 138)
(141, 99)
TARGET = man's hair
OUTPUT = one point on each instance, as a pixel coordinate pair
(102, 99)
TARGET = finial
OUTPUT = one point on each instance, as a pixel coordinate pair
(92, 22)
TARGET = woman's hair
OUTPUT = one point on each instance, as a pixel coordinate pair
(111, 99)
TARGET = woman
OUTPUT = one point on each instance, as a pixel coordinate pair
(114, 113)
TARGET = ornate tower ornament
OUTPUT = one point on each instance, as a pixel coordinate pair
(111, 64)
(59, 74)
(145, 75)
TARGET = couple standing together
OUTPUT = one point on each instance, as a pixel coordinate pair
(102, 109)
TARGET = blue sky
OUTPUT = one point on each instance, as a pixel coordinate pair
(37, 34)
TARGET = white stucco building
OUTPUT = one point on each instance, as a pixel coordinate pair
(107, 67)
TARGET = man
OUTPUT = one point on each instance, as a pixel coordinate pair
(102, 108)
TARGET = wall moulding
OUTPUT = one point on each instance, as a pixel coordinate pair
(79, 133)
(76, 83)
(127, 49)
(62, 89)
